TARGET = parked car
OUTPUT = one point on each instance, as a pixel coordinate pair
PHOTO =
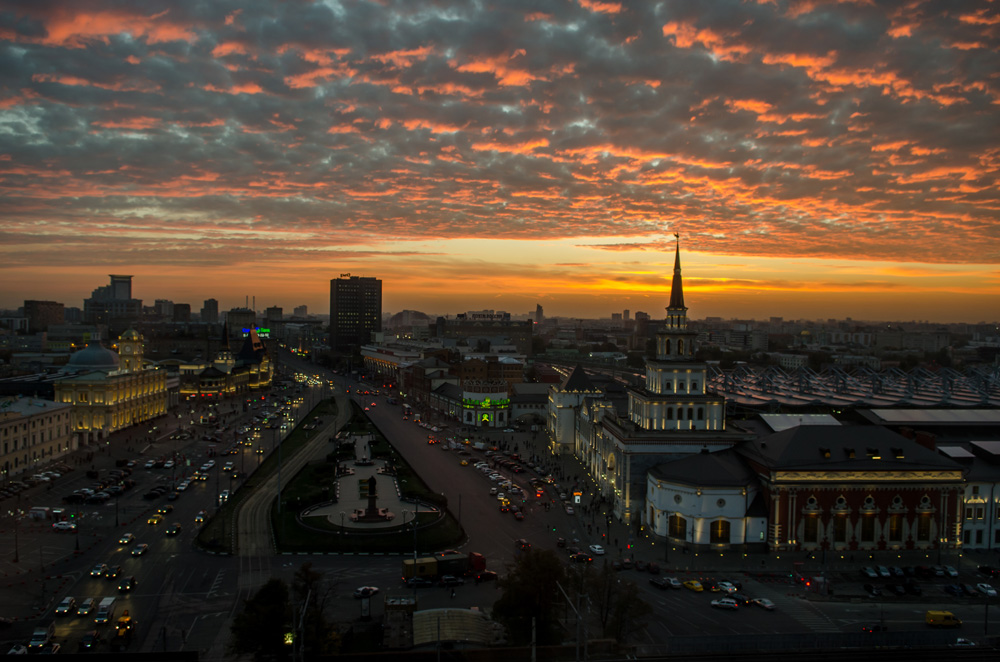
(660, 582)
(418, 582)
(950, 571)
(872, 590)
(987, 590)
(450, 580)
(954, 590)
(365, 591)
(869, 572)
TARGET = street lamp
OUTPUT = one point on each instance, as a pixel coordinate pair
(341, 522)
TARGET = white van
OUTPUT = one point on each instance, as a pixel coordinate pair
(105, 611)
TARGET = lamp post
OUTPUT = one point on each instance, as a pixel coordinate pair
(16, 548)
(342, 522)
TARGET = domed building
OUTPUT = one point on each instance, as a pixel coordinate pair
(111, 390)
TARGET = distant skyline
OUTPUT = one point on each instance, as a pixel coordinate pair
(820, 159)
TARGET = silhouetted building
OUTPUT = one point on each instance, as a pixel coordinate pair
(112, 304)
(210, 311)
(355, 311)
(182, 312)
(273, 314)
(41, 314)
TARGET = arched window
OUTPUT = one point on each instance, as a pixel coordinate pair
(680, 347)
(720, 532)
(690, 413)
(670, 413)
(701, 413)
(668, 346)
(678, 527)
(680, 413)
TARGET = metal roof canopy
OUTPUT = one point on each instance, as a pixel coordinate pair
(991, 447)
(937, 416)
(955, 452)
(779, 422)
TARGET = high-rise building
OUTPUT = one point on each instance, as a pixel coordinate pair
(273, 314)
(355, 311)
(241, 321)
(164, 308)
(41, 314)
(210, 311)
(112, 304)
(539, 314)
(301, 311)
(182, 312)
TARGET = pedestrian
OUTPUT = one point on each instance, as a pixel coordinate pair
(452, 593)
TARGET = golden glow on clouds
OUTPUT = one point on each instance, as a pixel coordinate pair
(819, 157)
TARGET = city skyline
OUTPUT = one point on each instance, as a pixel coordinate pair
(820, 160)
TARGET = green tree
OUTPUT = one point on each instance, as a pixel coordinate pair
(628, 613)
(530, 591)
(260, 628)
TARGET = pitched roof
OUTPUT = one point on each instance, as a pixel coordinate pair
(578, 381)
(677, 286)
(849, 448)
(721, 468)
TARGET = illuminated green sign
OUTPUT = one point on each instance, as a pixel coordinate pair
(469, 403)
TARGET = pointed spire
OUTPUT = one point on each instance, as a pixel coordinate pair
(677, 287)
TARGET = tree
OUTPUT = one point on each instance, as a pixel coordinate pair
(530, 591)
(310, 589)
(260, 629)
(628, 613)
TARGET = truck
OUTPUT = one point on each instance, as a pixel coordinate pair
(456, 563)
(942, 619)
(105, 611)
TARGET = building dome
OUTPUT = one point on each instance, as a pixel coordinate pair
(94, 357)
(130, 335)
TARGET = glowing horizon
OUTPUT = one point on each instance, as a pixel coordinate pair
(820, 159)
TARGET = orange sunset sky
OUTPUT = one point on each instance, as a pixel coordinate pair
(819, 159)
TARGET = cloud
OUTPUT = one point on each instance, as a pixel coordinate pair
(824, 130)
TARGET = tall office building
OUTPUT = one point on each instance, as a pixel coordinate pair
(355, 311)
(301, 311)
(41, 314)
(273, 314)
(210, 311)
(112, 304)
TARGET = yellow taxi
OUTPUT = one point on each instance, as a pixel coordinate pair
(155, 519)
(694, 585)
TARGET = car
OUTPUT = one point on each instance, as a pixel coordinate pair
(126, 584)
(64, 526)
(953, 590)
(486, 576)
(969, 590)
(200, 517)
(869, 572)
(661, 583)
(950, 571)
(581, 557)
(726, 587)
(66, 606)
(450, 580)
(89, 640)
(223, 496)
(150, 463)
(140, 549)
(98, 570)
(895, 589)
(694, 585)
(986, 590)
(154, 519)
(883, 571)
(365, 591)
(519, 516)
(653, 568)
(875, 628)
(419, 582)
(872, 590)
(765, 604)
(597, 550)
(569, 510)
(522, 544)
(85, 606)
(173, 530)
(126, 538)
(165, 510)
(112, 572)
(560, 542)
(988, 570)
(896, 571)
(725, 603)
(938, 570)
(673, 582)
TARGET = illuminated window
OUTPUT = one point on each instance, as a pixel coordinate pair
(720, 531)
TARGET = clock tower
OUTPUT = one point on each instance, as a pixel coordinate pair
(130, 351)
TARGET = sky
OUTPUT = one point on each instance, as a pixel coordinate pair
(818, 159)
